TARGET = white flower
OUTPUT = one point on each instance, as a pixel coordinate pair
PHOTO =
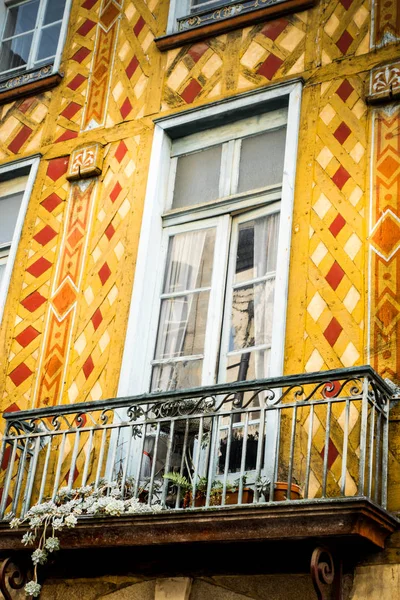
(28, 538)
(71, 521)
(58, 523)
(116, 493)
(52, 544)
(115, 508)
(35, 522)
(32, 589)
(39, 557)
(14, 523)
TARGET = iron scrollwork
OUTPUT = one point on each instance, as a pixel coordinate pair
(326, 575)
(13, 576)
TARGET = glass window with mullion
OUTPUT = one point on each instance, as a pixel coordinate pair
(31, 35)
(11, 194)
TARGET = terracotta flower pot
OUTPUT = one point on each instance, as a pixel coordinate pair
(281, 491)
(230, 498)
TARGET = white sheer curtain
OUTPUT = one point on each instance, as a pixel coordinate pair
(182, 273)
(266, 231)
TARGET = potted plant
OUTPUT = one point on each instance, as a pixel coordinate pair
(216, 491)
(281, 486)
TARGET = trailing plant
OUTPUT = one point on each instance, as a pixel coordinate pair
(217, 486)
(47, 519)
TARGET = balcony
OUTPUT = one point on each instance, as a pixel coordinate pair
(297, 458)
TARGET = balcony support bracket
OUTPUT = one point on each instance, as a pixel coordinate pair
(13, 575)
(326, 574)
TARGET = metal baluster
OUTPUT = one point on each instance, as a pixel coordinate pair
(309, 450)
(87, 459)
(385, 451)
(326, 448)
(291, 455)
(115, 433)
(243, 458)
(20, 474)
(127, 460)
(31, 477)
(377, 455)
(227, 457)
(8, 479)
(140, 461)
(73, 460)
(167, 462)
(153, 466)
(260, 451)
(345, 447)
(363, 437)
(45, 467)
(101, 457)
(59, 465)
(371, 450)
(182, 467)
(197, 461)
(213, 452)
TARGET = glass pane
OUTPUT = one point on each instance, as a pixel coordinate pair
(197, 5)
(48, 42)
(21, 18)
(248, 366)
(54, 11)
(257, 248)
(251, 318)
(179, 375)
(15, 52)
(261, 160)
(9, 209)
(234, 460)
(182, 326)
(197, 177)
(2, 269)
(190, 261)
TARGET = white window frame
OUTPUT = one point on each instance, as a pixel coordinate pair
(182, 8)
(33, 163)
(139, 345)
(4, 6)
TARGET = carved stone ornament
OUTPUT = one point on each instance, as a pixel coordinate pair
(384, 84)
(85, 162)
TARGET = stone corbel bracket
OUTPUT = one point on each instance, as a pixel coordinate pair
(384, 84)
(85, 162)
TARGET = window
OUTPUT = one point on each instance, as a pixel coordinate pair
(214, 246)
(16, 182)
(32, 35)
(189, 14)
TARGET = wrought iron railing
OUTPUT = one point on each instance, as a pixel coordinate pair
(308, 437)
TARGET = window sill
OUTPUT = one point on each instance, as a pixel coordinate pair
(27, 84)
(174, 40)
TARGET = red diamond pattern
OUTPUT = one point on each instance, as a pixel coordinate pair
(344, 42)
(121, 151)
(97, 319)
(71, 110)
(341, 177)
(39, 267)
(110, 231)
(131, 68)
(33, 301)
(335, 275)
(125, 108)
(20, 139)
(274, 29)
(45, 235)
(337, 225)
(344, 90)
(57, 167)
(51, 202)
(76, 82)
(27, 336)
(88, 367)
(86, 27)
(342, 132)
(80, 54)
(270, 66)
(191, 91)
(20, 374)
(115, 192)
(139, 26)
(104, 273)
(333, 453)
(333, 331)
(197, 51)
